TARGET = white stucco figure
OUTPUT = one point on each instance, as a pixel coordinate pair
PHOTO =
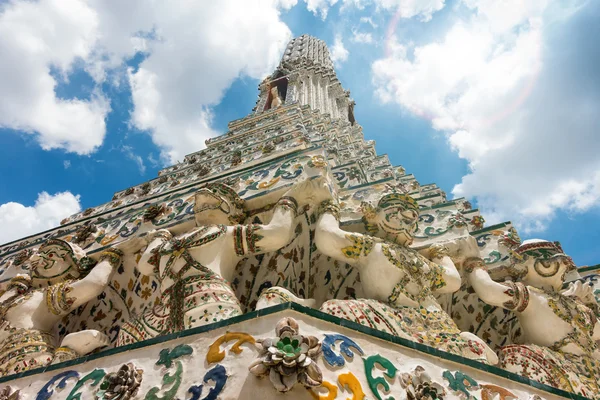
(61, 279)
(194, 269)
(538, 301)
(399, 283)
(555, 323)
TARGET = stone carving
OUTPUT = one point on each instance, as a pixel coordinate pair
(562, 330)
(145, 189)
(61, 280)
(83, 233)
(277, 295)
(419, 385)
(345, 346)
(289, 358)
(7, 393)
(172, 379)
(201, 170)
(236, 158)
(154, 211)
(194, 279)
(268, 148)
(215, 354)
(121, 385)
(399, 283)
(477, 222)
(275, 99)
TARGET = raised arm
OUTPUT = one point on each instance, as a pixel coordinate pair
(508, 295)
(265, 238)
(336, 243)
(448, 279)
(62, 298)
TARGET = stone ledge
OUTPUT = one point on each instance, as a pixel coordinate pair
(444, 368)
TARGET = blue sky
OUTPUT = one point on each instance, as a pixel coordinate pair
(495, 102)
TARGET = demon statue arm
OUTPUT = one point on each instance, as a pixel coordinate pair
(232, 241)
(96, 280)
(540, 267)
(61, 278)
(381, 259)
(205, 259)
(265, 238)
(398, 282)
(509, 295)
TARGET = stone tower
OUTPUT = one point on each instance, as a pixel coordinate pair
(289, 249)
(306, 76)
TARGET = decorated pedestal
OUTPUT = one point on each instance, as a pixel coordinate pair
(222, 361)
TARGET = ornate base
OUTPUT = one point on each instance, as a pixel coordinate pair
(25, 350)
(311, 355)
(432, 328)
(195, 301)
(576, 374)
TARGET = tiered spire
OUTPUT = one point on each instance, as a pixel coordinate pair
(306, 76)
(309, 49)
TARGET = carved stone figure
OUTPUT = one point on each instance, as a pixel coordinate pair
(398, 281)
(562, 330)
(194, 269)
(61, 279)
(276, 100)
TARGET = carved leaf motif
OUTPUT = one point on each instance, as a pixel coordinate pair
(214, 351)
(488, 392)
(346, 344)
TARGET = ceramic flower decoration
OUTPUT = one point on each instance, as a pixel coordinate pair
(121, 385)
(289, 358)
(419, 386)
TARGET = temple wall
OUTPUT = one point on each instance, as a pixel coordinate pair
(213, 362)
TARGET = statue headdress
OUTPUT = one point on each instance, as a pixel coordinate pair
(542, 251)
(218, 197)
(390, 200)
(79, 264)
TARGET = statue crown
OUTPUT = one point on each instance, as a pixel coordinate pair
(398, 199)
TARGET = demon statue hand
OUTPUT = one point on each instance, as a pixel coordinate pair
(61, 279)
(194, 269)
(562, 330)
(399, 282)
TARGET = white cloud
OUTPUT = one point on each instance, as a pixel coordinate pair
(128, 150)
(191, 64)
(33, 37)
(18, 220)
(424, 9)
(67, 164)
(194, 52)
(507, 100)
(339, 54)
(368, 20)
(320, 7)
(362, 37)
(153, 161)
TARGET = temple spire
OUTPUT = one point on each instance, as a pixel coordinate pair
(306, 75)
(307, 49)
